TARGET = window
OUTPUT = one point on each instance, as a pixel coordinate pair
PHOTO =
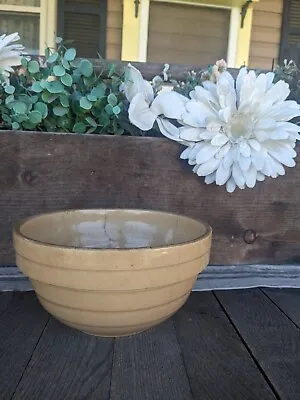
(22, 16)
(84, 22)
(35, 20)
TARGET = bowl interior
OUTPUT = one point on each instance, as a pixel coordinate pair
(115, 229)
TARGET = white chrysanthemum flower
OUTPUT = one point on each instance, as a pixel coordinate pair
(239, 131)
(10, 54)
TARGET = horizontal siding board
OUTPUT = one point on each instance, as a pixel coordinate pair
(266, 33)
(187, 34)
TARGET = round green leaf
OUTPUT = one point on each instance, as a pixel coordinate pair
(21, 117)
(48, 97)
(70, 54)
(98, 91)
(35, 117)
(103, 119)
(9, 99)
(55, 87)
(51, 59)
(36, 87)
(85, 103)
(43, 83)
(112, 99)
(63, 122)
(42, 108)
(65, 64)
(59, 70)
(91, 97)
(9, 89)
(66, 80)
(29, 126)
(15, 125)
(20, 108)
(33, 99)
(60, 111)
(24, 62)
(64, 100)
(116, 110)
(33, 67)
(91, 121)
(91, 129)
(109, 109)
(75, 63)
(6, 118)
(86, 68)
(79, 127)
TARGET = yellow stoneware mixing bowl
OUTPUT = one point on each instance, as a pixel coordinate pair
(112, 272)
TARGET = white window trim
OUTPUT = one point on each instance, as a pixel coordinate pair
(233, 27)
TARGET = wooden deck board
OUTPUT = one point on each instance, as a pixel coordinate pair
(21, 325)
(271, 337)
(288, 301)
(218, 364)
(228, 345)
(67, 364)
(149, 366)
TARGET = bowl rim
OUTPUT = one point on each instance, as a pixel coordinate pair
(17, 230)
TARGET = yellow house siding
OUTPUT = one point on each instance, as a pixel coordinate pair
(114, 29)
(266, 33)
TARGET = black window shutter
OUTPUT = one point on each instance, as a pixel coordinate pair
(290, 38)
(84, 22)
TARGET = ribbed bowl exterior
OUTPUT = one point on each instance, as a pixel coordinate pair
(112, 292)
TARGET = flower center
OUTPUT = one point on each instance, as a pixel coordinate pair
(240, 127)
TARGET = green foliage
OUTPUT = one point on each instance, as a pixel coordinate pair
(62, 93)
(290, 73)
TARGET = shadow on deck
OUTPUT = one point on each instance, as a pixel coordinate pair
(226, 345)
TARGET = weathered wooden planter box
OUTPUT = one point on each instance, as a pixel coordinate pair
(256, 233)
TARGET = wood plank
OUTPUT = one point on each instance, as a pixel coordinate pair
(149, 366)
(21, 325)
(271, 337)
(67, 364)
(288, 300)
(5, 299)
(218, 364)
(271, 6)
(42, 172)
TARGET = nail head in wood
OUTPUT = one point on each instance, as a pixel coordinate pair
(249, 236)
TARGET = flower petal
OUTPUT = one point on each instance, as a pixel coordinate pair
(190, 134)
(230, 185)
(222, 174)
(244, 162)
(206, 153)
(170, 104)
(238, 175)
(210, 178)
(219, 140)
(139, 113)
(135, 83)
(169, 130)
(250, 176)
(208, 167)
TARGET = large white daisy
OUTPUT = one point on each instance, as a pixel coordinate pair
(10, 53)
(237, 132)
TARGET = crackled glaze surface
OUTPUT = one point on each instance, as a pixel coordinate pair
(116, 229)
